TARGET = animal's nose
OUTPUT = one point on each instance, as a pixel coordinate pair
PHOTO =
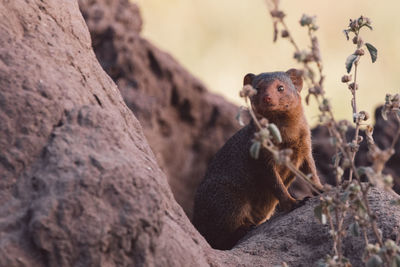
(267, 99)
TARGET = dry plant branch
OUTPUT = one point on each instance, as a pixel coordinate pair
(352, 195)
(267, 142)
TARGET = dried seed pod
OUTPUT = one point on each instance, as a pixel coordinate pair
(264, 122)
(315, 49)
(284, 34)
(346, 163)
(343, 128)
(364, 115)
(359, 52)
(277, 14)
(325, 105)
(316, 90)
(247, 91)
(287, 152)
(355, 40)
(346, 78)
(353, 86)
(354, 25)
(360, 42)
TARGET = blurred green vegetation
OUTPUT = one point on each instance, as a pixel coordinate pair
(220, 41)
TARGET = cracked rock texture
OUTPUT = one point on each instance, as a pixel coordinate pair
(79, 184)
(300, 240)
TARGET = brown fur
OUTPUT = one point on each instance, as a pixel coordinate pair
(239, 192)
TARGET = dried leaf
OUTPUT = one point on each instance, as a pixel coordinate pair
(372, 51)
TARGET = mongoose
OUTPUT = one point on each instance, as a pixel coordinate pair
(240, 192)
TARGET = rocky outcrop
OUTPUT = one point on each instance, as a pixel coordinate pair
(299, 239)
(184, 123)
(79, 184)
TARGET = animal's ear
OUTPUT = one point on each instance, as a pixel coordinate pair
(248, 79)
(296, 77)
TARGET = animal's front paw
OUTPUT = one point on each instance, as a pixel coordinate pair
(294, 204)
(300, 203)
(288, 204)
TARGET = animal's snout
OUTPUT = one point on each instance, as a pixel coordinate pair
(267, 99)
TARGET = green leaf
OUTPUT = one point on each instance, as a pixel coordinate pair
(346, 32)
(308, 99)
(395, 202)
(318, 212)
(384, 113)
(355, 229)
(345, 196)
(361, 170)
(396, 261)
(323, 219)
(372, 51)
(360, 205)
(336, 158)
(319, 215)
(276, 134)
(374, 261)
(349, 62)
(255, 149)
(239, 118)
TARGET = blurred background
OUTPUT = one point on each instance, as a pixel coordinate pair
(220, 41)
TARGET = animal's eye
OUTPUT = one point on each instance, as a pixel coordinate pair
(280, 88)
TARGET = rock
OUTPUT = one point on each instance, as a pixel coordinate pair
(79, 183)
(184, 123)
(299, 239)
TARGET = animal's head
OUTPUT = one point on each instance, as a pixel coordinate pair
(276, 91)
